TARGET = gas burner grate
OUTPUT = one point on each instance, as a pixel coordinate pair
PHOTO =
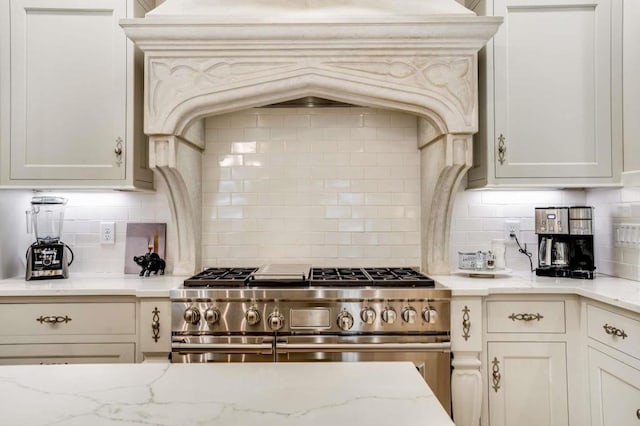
(214, 277)
(328, 276)
(399, 276)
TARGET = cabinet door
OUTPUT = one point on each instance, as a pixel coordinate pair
(155, 328)
(615, 391)
(527, 384)
(68, 82)
(552, 77)
(69, 353)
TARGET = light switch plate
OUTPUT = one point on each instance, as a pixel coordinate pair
(626, 235)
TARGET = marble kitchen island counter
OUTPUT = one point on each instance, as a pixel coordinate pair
(218, 394)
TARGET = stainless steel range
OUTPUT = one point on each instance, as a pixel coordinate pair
(283, 313)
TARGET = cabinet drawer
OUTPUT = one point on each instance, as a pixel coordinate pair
(615, 330)
(34, 319)
(73, 353)
(525, 317)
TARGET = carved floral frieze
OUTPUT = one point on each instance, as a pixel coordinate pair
(451, 77)
(176, 80)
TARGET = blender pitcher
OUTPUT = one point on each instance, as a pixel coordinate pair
(45, 218)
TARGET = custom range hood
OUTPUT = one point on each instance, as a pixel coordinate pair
(209, 57)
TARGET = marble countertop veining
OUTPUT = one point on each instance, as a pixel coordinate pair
(218, 394)
(615, 291)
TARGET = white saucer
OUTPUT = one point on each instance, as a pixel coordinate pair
(485, 273)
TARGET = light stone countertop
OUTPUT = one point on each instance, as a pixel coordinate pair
(301, 394)
(93, 285)
(615, 291)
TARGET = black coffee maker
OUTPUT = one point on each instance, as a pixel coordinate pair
(565, 242)
(47, 257)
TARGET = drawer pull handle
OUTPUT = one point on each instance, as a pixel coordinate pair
(155, 324)
(466, 323)
(638, 413)
(53, 320)
(611, 330)
(525, 317)
(496, 374)
(502, 149)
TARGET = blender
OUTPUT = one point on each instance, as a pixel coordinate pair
(47, 257)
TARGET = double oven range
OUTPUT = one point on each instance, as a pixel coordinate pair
(298, 313)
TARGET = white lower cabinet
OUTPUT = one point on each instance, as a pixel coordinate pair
(615, 391)
(614, 365)
(56, 330)
(527, 384)
(532, 361)
(154, 330)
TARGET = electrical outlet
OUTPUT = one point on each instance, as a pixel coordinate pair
(107, 233)
(511, 227)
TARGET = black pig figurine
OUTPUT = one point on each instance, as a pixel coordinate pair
(149, 263)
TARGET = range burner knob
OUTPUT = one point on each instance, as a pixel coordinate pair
(430, 315)
(252, 316)
(192, 315)
(345, 320)
(368, 315)
(409, 314)
(275, 320)
(212, 315)
(389, 315)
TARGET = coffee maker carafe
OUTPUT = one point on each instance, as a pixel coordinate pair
(47, 257)
(565, 242)
(552, 227)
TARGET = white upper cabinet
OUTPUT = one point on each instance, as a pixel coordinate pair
(74, 109)
(631, 95)
(550, 95)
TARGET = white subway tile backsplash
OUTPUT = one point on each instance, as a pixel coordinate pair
(482, 210)
(227, 135)
(243, 121)
(351, 251)
(351, 225)
(338, 212)
(630, 195)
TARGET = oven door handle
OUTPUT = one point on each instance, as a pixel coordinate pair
(285, 347)
(240, 348)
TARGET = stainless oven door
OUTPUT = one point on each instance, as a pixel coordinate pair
(198, 349)
(430, 354)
